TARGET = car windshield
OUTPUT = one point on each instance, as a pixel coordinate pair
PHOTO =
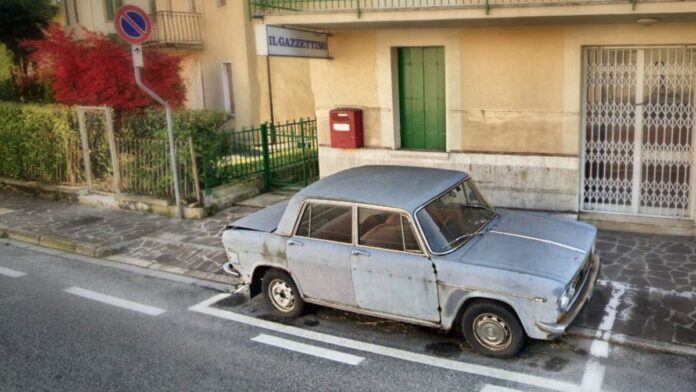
(454, 217)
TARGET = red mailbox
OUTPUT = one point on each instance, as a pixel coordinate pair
(346, 128)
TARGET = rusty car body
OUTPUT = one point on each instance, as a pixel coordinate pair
(422, 246)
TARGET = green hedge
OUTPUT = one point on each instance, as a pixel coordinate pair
(39, 142)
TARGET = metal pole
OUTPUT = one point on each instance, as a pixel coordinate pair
(85, 148)
(270, 88)
(170, 134)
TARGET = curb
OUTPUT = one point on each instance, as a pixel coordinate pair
(56, 242)
(632, 341)
(132, 267)
(105, 252)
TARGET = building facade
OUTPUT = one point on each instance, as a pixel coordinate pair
(584, 107)
(220, 68)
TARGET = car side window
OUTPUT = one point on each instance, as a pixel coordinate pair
(387, 230)
(326, 222)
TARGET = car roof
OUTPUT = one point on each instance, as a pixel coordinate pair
(405, 187)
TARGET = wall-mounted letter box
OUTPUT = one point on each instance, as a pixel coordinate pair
(346, 128)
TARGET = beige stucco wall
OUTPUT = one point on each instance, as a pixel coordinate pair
(291, 86)
(514, 102)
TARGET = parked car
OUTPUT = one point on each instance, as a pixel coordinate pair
(422, 246)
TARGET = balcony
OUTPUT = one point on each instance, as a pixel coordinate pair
(353, 13)
(175, 29)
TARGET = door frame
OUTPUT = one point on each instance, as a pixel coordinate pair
(388, 115)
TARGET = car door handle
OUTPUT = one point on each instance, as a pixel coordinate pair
(295, 243)
(358, 252)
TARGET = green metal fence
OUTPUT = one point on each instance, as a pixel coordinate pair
(281, 154)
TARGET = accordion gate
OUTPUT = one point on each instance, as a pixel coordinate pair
(638, 127)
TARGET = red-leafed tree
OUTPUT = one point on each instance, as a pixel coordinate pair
(95, 70)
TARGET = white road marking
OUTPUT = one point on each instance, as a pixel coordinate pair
(652, 290)
(599, 348)
(593, 377)
(121, 303)
(495, 388)
(607, 322)
(11, 273)
(309, 349)
(459, 366)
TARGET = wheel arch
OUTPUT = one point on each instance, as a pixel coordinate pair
(258, 273)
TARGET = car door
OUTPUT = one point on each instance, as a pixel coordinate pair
(319, 252)
(390, 271)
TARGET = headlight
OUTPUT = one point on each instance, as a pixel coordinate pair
(564, 301)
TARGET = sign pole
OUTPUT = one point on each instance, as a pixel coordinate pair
(133, 25)
(170, 135)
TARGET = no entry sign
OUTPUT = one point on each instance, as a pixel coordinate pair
(132, 24)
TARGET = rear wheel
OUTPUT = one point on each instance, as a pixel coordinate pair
(492, 329)
(281, 294)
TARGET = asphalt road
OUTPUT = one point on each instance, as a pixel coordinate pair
(71, 325)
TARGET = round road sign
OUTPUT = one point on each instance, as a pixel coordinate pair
(132, 24)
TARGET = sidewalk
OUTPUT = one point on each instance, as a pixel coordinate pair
(646, 293)
(187, 247)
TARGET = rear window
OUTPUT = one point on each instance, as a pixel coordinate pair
(326, 222)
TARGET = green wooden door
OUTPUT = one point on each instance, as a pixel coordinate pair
(422, 97)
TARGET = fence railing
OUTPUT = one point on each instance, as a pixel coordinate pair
(266, 7)
(145, 168)
(276, 154)
(281, 154)
(176, 28)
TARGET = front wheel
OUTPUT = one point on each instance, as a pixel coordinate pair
(281, 294)
(493, 330)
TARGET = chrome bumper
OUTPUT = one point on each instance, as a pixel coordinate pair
(557, 329)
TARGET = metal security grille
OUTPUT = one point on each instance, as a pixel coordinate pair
(639, 121)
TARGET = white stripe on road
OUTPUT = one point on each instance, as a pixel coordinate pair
(459, 366)
(121, 303)
(309, 349)
(593, 377)
(11, 273)
(607, 322)
(495, 388)
(599, 348)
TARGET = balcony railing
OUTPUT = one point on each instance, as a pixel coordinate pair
(176, 29)
(268, 7)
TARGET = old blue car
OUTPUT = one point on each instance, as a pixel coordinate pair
(422, 246)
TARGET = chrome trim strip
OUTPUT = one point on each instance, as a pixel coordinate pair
(540, 240)
(356, 309)
(503, 293)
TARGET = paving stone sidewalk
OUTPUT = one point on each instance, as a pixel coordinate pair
(646, 291)
(188, 247)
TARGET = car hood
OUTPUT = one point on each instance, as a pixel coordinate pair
(534, 244)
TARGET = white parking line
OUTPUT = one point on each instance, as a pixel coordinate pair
(599, 348)
(607, 322)
(495, 388)
(593, 377)
(11, 273)
(121, 303)
(459, 366)
(309, 349)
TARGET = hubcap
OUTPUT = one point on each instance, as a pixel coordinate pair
(492, 332)
(281, 295)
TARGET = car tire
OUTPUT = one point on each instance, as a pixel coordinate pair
(492, 329)
(281, 294)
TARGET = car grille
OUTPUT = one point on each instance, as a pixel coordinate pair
(582, 278)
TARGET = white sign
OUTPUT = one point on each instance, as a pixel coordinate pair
(281, 41)
(137, 51)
